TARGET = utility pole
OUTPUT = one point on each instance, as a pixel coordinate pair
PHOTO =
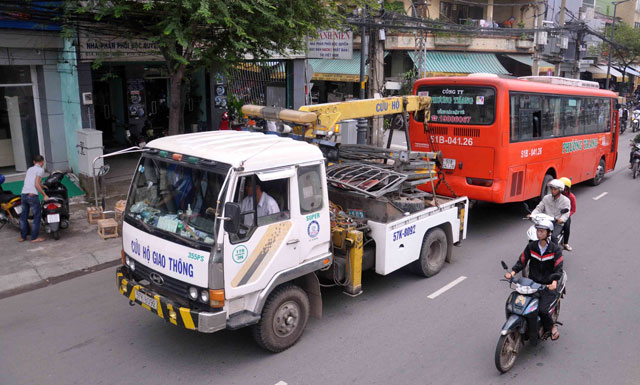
(363, 124)
(535, 69)
(563, 6)
(376, 83)
(576, 62)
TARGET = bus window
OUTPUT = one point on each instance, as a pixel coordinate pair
(460, 105)
(526, 117)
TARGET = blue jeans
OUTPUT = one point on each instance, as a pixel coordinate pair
(30, 203)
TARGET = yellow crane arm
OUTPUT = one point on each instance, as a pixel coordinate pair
(324, 117)
(329, 114)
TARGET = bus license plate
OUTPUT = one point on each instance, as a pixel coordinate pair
(145, 299)
(449, 164)
(53, 218)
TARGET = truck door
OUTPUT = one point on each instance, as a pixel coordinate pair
(261, 248)
(313, 223)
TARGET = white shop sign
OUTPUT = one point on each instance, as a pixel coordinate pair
(331, 44)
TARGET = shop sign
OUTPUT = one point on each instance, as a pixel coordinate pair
(110, 48)
(331, 44)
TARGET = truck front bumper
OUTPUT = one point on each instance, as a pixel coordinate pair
(206, 322)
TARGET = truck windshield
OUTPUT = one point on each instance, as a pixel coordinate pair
(175, 200)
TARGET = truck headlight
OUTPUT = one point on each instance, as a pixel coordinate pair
(130, 263)
(193, 293)
(204, 296)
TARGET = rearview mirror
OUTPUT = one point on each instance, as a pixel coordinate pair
(526, 207)
(232, 217)
(504, 265)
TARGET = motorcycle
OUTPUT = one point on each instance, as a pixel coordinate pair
(55, 209)
(532, 232)
(523, 322)
(635, 122)
(635, 159)
(10, 207)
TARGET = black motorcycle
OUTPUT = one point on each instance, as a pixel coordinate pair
(523, 322)
(55, 209)
(635, 159)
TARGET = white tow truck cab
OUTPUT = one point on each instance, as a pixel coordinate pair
(228, 229)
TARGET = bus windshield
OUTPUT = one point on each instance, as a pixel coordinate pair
(176, 199)
(461, 104)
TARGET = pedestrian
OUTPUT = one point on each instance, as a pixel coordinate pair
(567, 225)
(30, 200)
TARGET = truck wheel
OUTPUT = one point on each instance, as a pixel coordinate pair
(599, 175)
(432, 254)
(283, 320)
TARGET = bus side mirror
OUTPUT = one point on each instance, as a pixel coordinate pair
(232, 217)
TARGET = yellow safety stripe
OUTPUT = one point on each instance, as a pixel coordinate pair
(186, 318)
(157, 297)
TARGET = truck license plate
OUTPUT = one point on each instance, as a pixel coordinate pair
(449, 164)
(53, 218)
(145, 299)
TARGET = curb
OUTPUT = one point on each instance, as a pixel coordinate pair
(55, 280)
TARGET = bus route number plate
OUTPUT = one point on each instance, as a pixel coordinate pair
(448, 164)
(145, 299)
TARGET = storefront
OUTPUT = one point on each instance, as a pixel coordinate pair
(335, 80)
(131, 90)
(444, 63)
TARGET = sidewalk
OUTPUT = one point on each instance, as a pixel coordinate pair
(80, 250)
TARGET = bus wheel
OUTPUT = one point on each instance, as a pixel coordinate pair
(545, 188)
(599, 175)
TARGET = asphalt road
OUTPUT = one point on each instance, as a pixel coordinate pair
(83, 332)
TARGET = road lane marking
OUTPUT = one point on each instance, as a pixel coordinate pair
(600, 196)
(281, 383)
(447, 287)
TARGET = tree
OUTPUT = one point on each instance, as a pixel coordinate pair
(626, 50)
(196, 33)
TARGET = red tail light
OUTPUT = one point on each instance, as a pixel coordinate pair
(53, 206)
(480, 182)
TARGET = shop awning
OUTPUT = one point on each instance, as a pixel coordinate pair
(441, 63)
(600, 72)
(337, 70)
(629, 71)
(528, 60)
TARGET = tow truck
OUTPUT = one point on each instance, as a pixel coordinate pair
(229, 229)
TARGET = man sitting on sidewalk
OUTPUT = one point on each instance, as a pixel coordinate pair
(30, 200)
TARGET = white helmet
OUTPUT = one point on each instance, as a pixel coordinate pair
(545, 224)
(557, 183)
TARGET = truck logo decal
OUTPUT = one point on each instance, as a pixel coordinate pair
(156, 278)
(263, 253)
(240, 254)
(313, 229)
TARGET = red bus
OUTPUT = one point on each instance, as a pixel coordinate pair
(503, 140)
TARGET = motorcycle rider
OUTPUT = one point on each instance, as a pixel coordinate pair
(553, 205)
(567, 225)
(545, 267)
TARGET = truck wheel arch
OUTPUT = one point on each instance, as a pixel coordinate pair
(449, 232)
(311, 285)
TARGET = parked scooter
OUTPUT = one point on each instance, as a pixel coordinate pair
(10, 207)
(624, 119)
(635, 122)
(635, 159)
(523, 322)
(55, 210)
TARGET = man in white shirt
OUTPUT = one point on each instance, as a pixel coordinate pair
(266, 204)
(31, 201)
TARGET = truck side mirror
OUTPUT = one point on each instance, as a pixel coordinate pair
(232, 217)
